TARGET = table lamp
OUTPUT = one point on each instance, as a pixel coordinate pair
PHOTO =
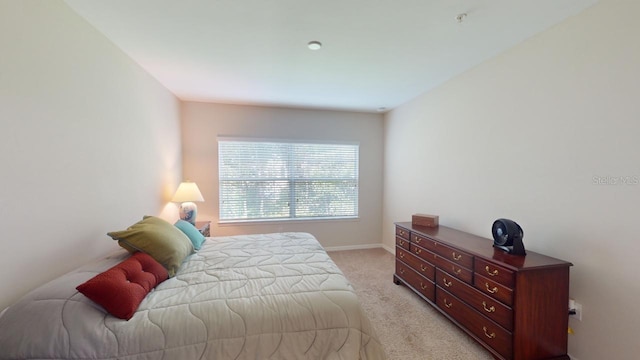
(186, 194)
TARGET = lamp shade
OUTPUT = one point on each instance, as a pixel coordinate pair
(187, 191)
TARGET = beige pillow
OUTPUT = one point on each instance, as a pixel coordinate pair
(161, 240)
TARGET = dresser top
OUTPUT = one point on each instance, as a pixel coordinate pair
(483, 247)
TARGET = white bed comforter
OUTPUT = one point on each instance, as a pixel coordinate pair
(273, 296)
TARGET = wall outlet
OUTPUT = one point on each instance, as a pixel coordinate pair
(577, 307)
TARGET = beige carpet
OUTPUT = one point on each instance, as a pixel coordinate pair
(408, 327)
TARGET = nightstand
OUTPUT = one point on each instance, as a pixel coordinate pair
(204, 227)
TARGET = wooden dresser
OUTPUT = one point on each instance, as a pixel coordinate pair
(514, 306)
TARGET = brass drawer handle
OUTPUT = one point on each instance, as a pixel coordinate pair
(490, 336)
(491, 273)
(456, 257)
(401, 271)
(493, 291)
(423, 287)
(447, 284)
(418, 251)
(423, 268)
(457, 272)
(401, 255)
(418, 240)
(448, 305)
(490, 310)
(401, 243)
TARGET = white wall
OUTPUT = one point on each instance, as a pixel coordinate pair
(524, 136)
(88, 143)
(202, 123)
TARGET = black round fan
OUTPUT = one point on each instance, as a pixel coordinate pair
(507, 236)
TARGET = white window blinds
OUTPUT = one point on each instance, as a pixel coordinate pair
(262, 180)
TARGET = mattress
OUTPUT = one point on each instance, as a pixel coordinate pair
(269, 296)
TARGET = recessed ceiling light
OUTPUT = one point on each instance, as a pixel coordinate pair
(314, 45)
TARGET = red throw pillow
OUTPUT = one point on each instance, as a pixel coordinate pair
(121, 289)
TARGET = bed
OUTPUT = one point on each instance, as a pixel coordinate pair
(269, 296)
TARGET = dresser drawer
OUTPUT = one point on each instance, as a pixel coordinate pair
(403, 243)
(494, 272)
(423, 254)
(422, 267)
(491, 308)
(493, 289)
(485, 330)
(415, 280)
(454, 255)
(454, 269)
(402, 232)
(423, 242)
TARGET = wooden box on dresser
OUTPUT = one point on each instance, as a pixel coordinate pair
(514, 306)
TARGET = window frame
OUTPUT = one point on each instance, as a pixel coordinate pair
(291, 179)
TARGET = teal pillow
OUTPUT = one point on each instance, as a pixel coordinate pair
(192, 233)
(158, 238)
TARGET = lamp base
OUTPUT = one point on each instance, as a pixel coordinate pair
(188, 212)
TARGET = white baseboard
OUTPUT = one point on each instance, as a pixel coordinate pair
(391, 250)
(353, 247)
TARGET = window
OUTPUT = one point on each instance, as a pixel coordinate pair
(268, 180)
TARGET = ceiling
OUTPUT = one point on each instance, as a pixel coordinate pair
(376, 53)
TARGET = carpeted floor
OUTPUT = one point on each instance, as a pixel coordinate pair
(408, 327)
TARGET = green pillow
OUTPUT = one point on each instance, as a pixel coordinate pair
(192, 233)
(162, 241)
